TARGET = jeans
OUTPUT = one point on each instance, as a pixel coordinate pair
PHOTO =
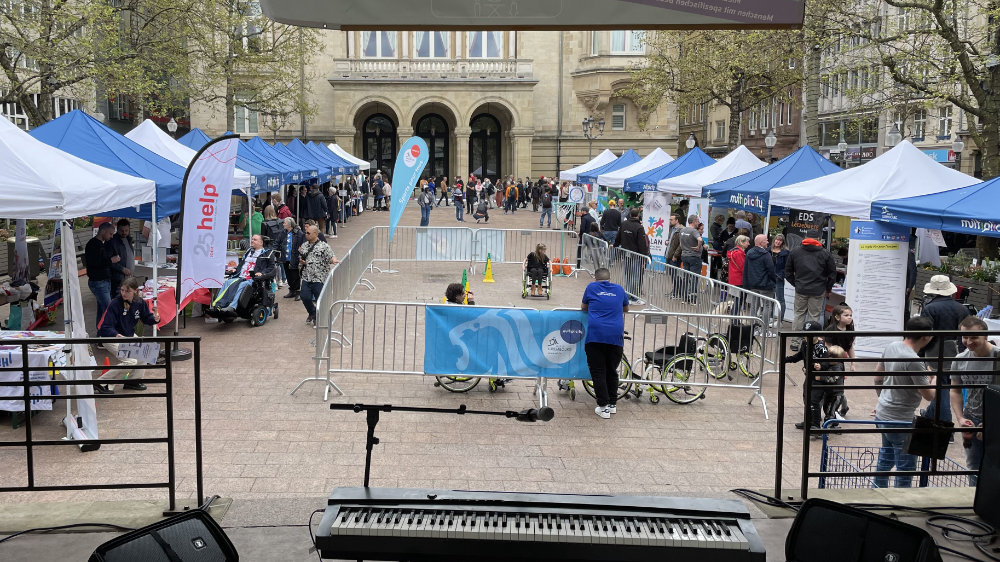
(974, 452)
(102, 292)
(893, 454)
(459, 210)
(779, 293)
(546, 212)
(633, 278)
(692, 264)
(310, 294)
(425, 215)
(603, 360)
(610, 235)
(510, 205)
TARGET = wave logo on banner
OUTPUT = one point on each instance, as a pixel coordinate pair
(504, 342)
(208, 184)
(410, 164)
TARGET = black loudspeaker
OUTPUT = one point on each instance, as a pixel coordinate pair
(192, 536)
(987, 502)
(824, 531)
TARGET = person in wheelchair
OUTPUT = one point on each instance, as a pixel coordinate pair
(257, 264)
(482, 211)
(537, 269)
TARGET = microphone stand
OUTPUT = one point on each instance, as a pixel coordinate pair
(373, 411)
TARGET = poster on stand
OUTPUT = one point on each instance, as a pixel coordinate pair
(656, 219)
(876, 281)
(801, 222)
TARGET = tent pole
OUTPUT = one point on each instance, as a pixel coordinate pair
(155, 232)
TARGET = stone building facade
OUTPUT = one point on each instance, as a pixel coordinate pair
(492, 103)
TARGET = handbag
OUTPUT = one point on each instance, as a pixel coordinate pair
(929, 437)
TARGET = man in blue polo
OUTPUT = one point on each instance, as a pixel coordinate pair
(606, 304)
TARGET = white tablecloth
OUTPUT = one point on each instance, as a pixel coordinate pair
(42, 360)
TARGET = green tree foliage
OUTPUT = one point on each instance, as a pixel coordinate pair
(737, 69)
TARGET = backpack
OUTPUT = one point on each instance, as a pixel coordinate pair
(546, 199)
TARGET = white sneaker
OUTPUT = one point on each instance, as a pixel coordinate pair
(612, 409)
(603, 412)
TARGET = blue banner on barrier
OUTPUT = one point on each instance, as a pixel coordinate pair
(501, 342)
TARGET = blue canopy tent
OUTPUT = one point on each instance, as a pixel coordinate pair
(341, 166)
(266, 178)
(309, 171)
(289, 174)
(694, 159)
(299, 150)
(751, 191)
(323, 173)
(84, 137)
(968, 210)
(590, 176)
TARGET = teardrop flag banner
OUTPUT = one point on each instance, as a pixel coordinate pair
(410, 164)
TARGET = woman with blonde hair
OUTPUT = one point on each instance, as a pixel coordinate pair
(537, 268)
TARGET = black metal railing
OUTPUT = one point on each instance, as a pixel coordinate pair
(166, 384)
(941, 365)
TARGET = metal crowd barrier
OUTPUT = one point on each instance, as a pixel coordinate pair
(628, 270)
(162, 388)
(594, 253)
(423, 243)
(513, 246)
(866, 370)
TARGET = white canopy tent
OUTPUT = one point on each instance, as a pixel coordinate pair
(616, 179)
(901, 172)
(339, 151)
(600, 160)
(149, 135)
(738, 162)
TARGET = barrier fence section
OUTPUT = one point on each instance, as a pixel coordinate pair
(595, 253)
(628, 270)
(665, 355)
(513, 246)
(162, 388)
(422, 243)
(842, 464)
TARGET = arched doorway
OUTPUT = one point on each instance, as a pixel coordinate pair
(484, 147)
(379, 142)
(434, 130)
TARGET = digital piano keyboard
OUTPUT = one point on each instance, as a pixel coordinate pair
(424, 525)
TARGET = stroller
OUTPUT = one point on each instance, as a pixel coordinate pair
(256, 303)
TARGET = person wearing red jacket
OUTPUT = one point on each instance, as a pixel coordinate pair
(737, 258)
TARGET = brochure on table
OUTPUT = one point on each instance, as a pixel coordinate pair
(876, 281)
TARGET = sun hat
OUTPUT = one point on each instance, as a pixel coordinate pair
(940, 285)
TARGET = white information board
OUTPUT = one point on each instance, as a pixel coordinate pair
(876, 281)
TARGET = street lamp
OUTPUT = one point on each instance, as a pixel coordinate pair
(842, 147)
(589, 126)
(957, 147)
(172, 127)
(769, 141)
(893, 137)
(691, 141)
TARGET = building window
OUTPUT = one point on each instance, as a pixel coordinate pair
(788, 108)
(898, 121)
(627, 42)
(618, 117)
(378, 44)
(485, 44)
(12, 111)
(245, 121)
(919, 124)
(431, 44)
(594, 43)
(720, 130)
(781, 113)
(250, 29)
(944, 122)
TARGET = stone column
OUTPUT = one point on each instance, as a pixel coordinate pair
(522, 151)
(461, 140)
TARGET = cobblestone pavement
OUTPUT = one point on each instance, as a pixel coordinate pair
(262, 443)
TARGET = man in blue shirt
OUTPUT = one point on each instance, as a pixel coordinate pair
(606, 304)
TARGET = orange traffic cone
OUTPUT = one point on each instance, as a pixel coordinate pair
(555, 266)
(107, 364)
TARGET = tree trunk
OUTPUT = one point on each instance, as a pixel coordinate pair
(812, 96)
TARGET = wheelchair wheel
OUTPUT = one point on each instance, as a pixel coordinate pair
(258, 316)
(228, 319)
(716, 356)
(681, 376)
(457, 384)
(749, 360)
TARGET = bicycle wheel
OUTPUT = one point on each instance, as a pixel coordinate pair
(624, 372)
(682, 376)
(715, 354)
(457, 384)
(750, 360)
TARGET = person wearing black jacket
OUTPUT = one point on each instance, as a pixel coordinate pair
(632, 237)
(611, 221)
(333, 210)
(291, 241)
(121, 245)
(811, 270)
(314, 207)
(758, 273)
(945, 313)
(258, 263)
(536, 195)
(124, 312)
(98, 260)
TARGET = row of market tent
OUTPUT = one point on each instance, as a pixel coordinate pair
(75, 166)
(903, 186)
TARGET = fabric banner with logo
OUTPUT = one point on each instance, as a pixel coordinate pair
(876, 281)
(206, 218)
(501, 342)
(800, 223)
(410, 164)
(699, 206)
(656, 219)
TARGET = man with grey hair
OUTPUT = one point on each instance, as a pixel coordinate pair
(606, 304)
(758, 273)
(743, 223)
(691, 245)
